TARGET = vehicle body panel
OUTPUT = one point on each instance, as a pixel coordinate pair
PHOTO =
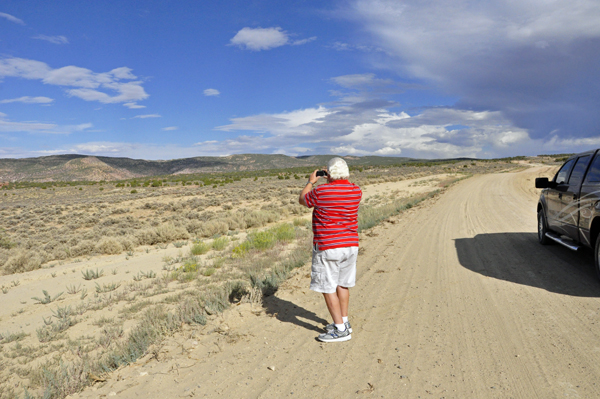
(571, 202)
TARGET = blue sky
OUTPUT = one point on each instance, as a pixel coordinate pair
(167, 79)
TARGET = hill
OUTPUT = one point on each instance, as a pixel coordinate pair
(74, 167)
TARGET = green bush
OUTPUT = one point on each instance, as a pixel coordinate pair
(262, 240)
(284, 232)
(199, 248)
(241, 250)
(190, 266)
(220, 243)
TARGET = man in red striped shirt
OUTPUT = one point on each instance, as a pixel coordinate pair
(335, 243)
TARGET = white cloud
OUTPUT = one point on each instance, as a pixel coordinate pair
(28, 100)
(88, 85)
(53, 39)
(170, 128)
(11, 18)
(366, 126)
(133, 106)
(257, 39)
(303, 41)
(297, 122)
(211, 92)
(100, 147)
(8, 126)
(146, 116)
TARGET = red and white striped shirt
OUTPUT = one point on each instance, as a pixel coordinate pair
(335, 217)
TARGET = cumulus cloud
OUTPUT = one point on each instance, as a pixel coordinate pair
(258, 39)
(533, 60)
(366, 124)
(11, 18)
(211, 92)
(53, 39)
(28, 100)
(146, 116)
(115, 86)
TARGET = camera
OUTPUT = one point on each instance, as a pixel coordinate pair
(321, 173)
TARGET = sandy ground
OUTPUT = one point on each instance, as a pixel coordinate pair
(454, 299)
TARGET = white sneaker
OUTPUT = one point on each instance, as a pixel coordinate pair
(335, 335)
(329, 327)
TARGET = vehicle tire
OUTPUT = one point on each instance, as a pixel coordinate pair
(542, 228)
(597, 255)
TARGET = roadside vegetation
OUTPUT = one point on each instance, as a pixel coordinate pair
(236, 242)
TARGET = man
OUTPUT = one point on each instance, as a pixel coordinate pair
(335, 243)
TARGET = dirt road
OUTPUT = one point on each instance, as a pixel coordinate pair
(454, 299)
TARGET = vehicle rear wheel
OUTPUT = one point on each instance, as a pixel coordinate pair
(542, 228)
(597, 255)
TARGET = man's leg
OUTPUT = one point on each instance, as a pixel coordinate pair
(343, 295)
(333, 305)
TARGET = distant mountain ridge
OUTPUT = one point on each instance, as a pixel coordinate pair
(75, 167)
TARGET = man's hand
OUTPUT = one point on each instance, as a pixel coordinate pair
(313, 178)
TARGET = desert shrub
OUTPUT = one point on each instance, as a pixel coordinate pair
(236, 222)
(6, 243)
(194, 227)
(302, 222)
(260, 218)
(61, 253)
(168, 232)
(297, 209)
(284, 232)
(241, 250)
(146, 237)
(199, 248)
(62, 379)
(85, 247)
(214, 227)
(109, 246)
(23, 261)
(261, 240)
(190, 265)
(220, 243)
(3, 257)
(126, 243)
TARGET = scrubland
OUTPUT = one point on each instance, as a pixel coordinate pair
(94, 276)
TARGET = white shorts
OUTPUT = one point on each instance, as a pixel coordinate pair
(333, 267)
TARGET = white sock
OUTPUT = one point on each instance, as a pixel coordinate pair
(345, 319)
(341, 327)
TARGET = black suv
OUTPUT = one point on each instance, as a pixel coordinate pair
(568, 210)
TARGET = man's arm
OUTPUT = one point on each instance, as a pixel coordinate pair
(311, 181)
